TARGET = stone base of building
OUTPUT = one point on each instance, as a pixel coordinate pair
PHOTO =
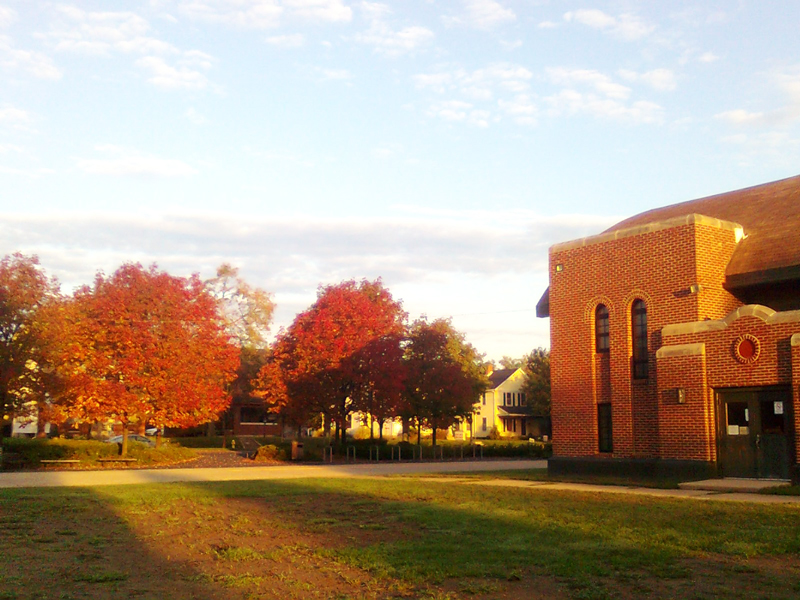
(689, 470)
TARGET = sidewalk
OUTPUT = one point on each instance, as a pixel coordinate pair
(138, 476)
(693, 494)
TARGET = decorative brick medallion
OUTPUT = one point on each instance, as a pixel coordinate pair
(747, 348)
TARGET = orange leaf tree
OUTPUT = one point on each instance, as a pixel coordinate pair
(326, 356)
(143, 346)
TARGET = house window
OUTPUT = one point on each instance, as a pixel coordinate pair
(601, 328)
(604, 433)
(484, 398)
(522, 400)
(483, 425)
(640, 366)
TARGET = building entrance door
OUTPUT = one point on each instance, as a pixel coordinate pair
(754, 432)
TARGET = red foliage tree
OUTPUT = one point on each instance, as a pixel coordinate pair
(143, 346)
(445, 375)
(328, 356)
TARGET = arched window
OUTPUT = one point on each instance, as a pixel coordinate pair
(640, 366)
(601, 328)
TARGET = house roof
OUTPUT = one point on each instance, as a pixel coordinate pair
(497, 377)
(770, 216)
(514, 411)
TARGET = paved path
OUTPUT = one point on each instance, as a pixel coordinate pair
(132, 476)
(638, 491)
(138, 476)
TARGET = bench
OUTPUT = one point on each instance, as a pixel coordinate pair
(59, 461)
(120, 459)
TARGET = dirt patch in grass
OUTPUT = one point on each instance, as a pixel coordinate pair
(369, 540)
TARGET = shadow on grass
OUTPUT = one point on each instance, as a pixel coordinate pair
(71, 544)
(383, 538)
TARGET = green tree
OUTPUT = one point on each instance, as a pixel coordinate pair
(24, 291)
(537, 387)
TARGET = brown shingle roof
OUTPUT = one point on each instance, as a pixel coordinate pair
(770, 216)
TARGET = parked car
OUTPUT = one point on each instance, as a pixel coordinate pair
(132, 437)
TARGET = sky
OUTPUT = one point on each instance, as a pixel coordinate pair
(442, 146)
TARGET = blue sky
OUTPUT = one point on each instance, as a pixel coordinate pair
(442, 146)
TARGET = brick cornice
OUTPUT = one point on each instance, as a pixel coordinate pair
(764, 313)
(681, 350)
(692, 219)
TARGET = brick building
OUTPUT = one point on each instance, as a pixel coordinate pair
(675, 339)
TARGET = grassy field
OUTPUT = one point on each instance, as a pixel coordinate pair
(392, 538)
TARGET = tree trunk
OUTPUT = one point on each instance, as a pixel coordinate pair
(380, 429)
(124, 449)
(433, 439)
(158, 437)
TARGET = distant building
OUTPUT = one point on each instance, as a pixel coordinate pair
(675, 339)
(503, 408)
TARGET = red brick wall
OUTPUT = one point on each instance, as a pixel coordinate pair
(659, 267)
(687, 431)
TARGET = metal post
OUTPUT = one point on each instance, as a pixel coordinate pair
(327, 454)
(349, 448)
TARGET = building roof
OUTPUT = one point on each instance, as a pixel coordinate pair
(770, 216)
(497, 377)
(769, 213)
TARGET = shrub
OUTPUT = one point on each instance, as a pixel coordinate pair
(269, 453)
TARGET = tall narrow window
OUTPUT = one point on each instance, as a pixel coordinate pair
(639, 331)
(605, 441)
(601, 328)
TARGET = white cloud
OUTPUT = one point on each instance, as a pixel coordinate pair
(294, 40)
(432, 260)
(775, 148)
(335, 74)
(572, 102)
(7, 148)
(521, 108)
(30, 173)
(785, 81)
(195, 117)
(386, 40)
(511, 45)
(600, 82)
(662, 80)
(625, 26)
(122, 162)
(104, 33)
(482, 14)
(708, 57)
(506, 82)
(34, 63)
(9, 114)
(7, 16)
(170, 77)
(266, 14)
(547, 25)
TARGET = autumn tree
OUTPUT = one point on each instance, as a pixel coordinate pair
(378, 392)
(24, 291)
(445, 374)
(247, 312)
(325, 354)
(143, 346)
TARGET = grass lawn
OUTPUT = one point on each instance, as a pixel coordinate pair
(388, 538)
